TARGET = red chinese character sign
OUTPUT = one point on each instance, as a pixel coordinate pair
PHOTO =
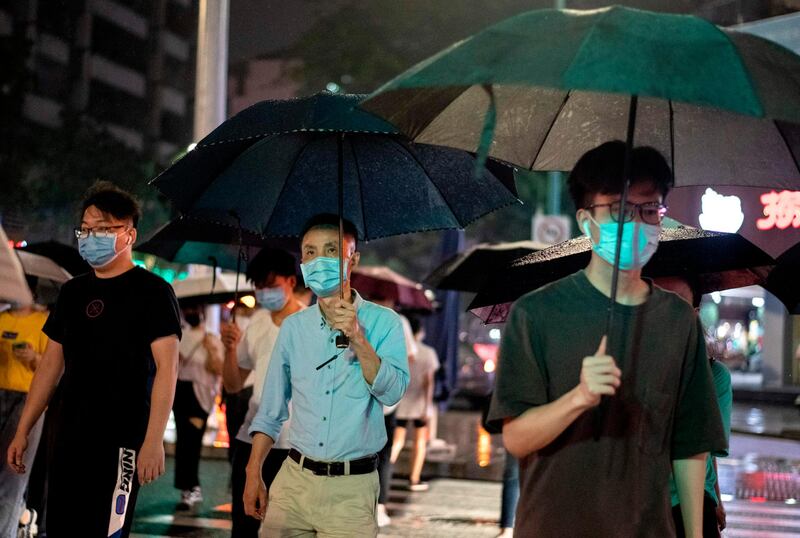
(767, 218)
(781, 210)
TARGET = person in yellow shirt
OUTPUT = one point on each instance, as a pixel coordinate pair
(22, 343)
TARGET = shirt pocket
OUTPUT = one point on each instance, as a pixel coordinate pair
(655, 422)
(355, 386)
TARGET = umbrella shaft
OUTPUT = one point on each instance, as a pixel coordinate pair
(626, 176)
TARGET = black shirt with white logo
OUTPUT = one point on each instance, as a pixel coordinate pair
(106, 327)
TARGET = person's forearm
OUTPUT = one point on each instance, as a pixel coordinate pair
(216, 359)
(262, 444)
(233, 375)
(539, 426)
(689, 479)
(44, 383)
(370, 362)
(161, 399)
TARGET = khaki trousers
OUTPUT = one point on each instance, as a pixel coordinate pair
(302, 504)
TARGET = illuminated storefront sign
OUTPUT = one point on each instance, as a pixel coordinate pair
(721, 213)
(781, 210)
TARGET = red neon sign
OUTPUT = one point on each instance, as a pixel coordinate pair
(781, 210)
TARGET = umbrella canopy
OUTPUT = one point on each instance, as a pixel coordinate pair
(783, 279)
(65, 256)
(551, 84)
(198, 289)
(187, 240)
(13, 288)
(713, 261)
(469, 270)
(42, 267)
(381, 282)
(278, 163)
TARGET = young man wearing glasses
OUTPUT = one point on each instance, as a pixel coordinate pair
(113, 352)
(599, 415)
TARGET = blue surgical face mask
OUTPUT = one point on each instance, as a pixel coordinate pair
(639, 242)
(98, 251)
(322, 275)
(273, 299)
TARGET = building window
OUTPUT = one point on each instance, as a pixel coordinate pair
(51, 79)
(111, 105)
(175, 129)
(119, 45)
(180, 20)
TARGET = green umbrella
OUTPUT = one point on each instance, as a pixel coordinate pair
(541, 88)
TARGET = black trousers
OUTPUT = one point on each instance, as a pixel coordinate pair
(81, 495)
(189, 441)
(245, 526)
(236, 405)
(385, 466)
(710, 528)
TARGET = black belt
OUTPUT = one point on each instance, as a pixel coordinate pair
(336, 468)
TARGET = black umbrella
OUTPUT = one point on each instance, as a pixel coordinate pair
(713, 261)
(192, 241)
(470, 270)
(783, 279)
(64, 255)
(278, 163)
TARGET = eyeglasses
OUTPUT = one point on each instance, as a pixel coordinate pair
(98, 231)
(649, 212)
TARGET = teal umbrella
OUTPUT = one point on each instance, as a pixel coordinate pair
(540, 89)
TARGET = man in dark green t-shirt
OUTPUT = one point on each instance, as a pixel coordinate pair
(599, 420)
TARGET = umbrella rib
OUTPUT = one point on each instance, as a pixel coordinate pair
(430, 178)
(672, 139)
(550, 128)
(360, 187)
(786, 143)
(283, 187)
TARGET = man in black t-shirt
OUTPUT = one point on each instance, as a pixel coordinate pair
(113, 355)
(592, 468)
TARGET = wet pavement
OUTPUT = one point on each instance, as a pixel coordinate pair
(760, 484)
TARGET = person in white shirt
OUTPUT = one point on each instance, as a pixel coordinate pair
(199, 369)
(390, 419)
(416, 406)
(247, 356)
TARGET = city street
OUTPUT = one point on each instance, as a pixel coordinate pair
(760, 483)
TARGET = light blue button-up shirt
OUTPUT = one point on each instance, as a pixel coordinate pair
(336, 414)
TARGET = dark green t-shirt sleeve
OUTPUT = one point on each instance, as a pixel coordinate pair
(722, 384)
(698, 426)
(521, 382)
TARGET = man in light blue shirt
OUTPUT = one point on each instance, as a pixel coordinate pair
(328, 485)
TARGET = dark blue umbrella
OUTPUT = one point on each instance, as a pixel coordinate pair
(278, 163)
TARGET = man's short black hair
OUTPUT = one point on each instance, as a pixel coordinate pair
(600, 171)
(270, 260)
(112, 200)
(330, 221)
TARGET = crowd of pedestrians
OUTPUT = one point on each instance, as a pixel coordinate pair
(598, 421)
